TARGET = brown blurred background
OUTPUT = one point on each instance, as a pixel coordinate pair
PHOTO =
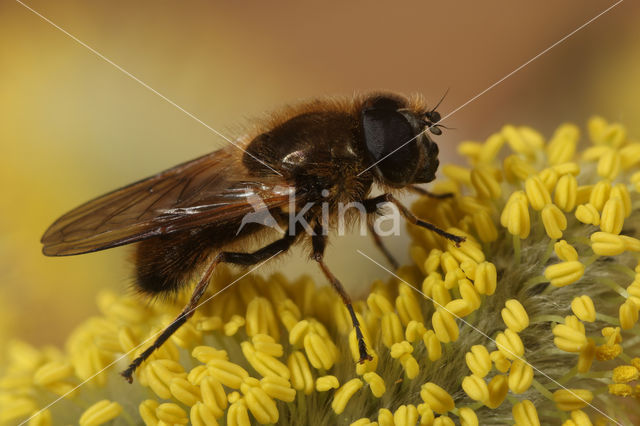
(72, 126)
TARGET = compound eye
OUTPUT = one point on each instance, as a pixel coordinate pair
(387, 134)
(435, 130)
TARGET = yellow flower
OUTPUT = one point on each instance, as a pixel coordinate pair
(531, 321)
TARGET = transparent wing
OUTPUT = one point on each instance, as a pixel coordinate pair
(215, 187)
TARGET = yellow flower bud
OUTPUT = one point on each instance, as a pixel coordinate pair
(536, 193)
(278, 388)
(478, 360)
(485, 184)
(628, 314)
(469, 293)
(630, 155)
(438, 399)
(566, 192)
(184, 391)
(326, 383)
(51, 372)
(147, 411)
(600, 194)
(609, 164)
(562, 146)
(517, 218)
(202, 415)
(607, 244)
(460, 308)
(376, 383)
(568, 339)
(516, 168)
(469, 149)
(433, 345)
(491, 147)
(523, 140)
(484, 226)
(572, 399)
(587, 354)
(261, 405)
(588, 214)
(160, 373)
(101, 412)
(580, 418)
(344, 394)
(468, 417)
(227, 373)
(405, 415)
(582, 307)
(500, 361)
(476, 388)
(237, 414)
(549, 178)
(457, 173)
(378, 304)
(213, 396)
(443, 421)
(565, 251)
(515, 316)
(171, 413)
(620, 190)
(612, 218)
(520, 376)
(510, 344)
(498, 389)
(301, 376)
(564, 273)
(319, 351)
(554, 221)
(570, 168)
(444, 325)
(486, 278)
(525, 414)
(391, 329)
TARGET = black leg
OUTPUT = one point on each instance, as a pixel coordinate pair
(186, 313)
(422, 191)
(319, 243)
(245, 259)
(378, 242)
(371, 206)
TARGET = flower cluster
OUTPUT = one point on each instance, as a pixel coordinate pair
(531, 320)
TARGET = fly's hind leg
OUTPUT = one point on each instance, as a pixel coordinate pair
(186, 313)
(319, 243)
(244, 259)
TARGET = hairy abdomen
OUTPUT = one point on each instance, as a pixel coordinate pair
(167, 263)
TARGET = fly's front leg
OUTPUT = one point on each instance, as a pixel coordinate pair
(319, 243)
(404, 211)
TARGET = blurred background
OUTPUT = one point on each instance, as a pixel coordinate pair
(72, 126)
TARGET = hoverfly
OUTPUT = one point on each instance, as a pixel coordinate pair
(185, 219)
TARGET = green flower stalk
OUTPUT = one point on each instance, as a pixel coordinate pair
(531, 321)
